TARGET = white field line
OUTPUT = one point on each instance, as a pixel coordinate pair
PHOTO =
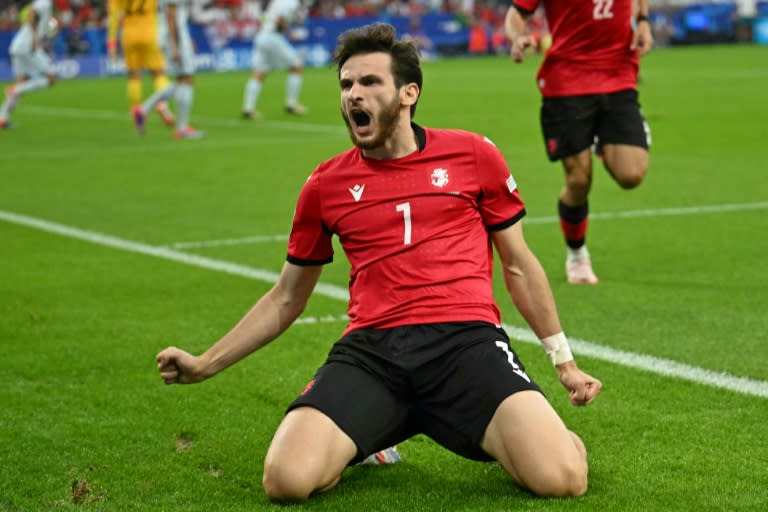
(657, 212)
(658, 365)
(660, 212)
(722, 380)
(668, 367)
(172, 146)
(110, 115)
(258, 239)
(160, 252)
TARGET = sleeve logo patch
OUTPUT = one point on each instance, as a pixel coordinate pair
(511, 185)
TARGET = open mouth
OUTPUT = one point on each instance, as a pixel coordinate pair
(360, 118)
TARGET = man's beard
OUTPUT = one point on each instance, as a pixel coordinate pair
(386, 124)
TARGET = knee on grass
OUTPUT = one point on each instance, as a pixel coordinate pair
(286, 483)
(283, 485)
(562, 480)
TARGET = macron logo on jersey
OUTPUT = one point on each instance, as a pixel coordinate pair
(357, 192)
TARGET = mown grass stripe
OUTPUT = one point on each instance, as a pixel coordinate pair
(634, 360)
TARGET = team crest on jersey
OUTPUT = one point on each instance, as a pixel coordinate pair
(440, 177)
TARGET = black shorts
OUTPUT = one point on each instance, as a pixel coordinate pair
(571, 124)
(383, 386)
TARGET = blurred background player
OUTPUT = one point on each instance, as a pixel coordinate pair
(137, 22)
(588, 83)
(271, 49)
(32, 69)
(179, 55)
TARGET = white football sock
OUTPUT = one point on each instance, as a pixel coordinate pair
(184, 97)
(251, 97)
(292, 88)
(31, 85)
(162, 95)
(581, 252)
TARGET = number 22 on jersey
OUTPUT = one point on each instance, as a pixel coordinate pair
(603, 9)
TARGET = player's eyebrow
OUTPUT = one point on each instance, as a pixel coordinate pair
(368, 79)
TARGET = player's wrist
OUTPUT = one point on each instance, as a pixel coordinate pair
(204, 366)
(557, 348)
(642, 17)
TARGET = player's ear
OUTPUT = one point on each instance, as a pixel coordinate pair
(409, 94)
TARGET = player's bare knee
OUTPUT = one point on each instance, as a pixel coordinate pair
(628, 169)
(282, 484)
(577, 188)
(575, 480)
(631, 178)
(567, 479)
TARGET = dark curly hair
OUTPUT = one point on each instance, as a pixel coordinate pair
(380, 37)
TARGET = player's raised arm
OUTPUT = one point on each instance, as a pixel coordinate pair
(529, 288)
(265, 321)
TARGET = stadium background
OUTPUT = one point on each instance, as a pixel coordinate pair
(224, 29)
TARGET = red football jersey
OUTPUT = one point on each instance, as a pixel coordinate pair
(590, 47)
(415, 229)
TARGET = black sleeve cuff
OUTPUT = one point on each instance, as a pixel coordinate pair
(508, 222)
(308, 263)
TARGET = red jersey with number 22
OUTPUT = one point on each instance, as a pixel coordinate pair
(415, 229)
(590, 47)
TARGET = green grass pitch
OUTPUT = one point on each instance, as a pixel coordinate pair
(108, 254)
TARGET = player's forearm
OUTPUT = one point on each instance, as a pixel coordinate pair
(265, 321)
(282, 24)
(114, 15)
(515, 24)
(642, 38)
(173, 29)
(529, 288)
(642, 8)
(32, 20)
